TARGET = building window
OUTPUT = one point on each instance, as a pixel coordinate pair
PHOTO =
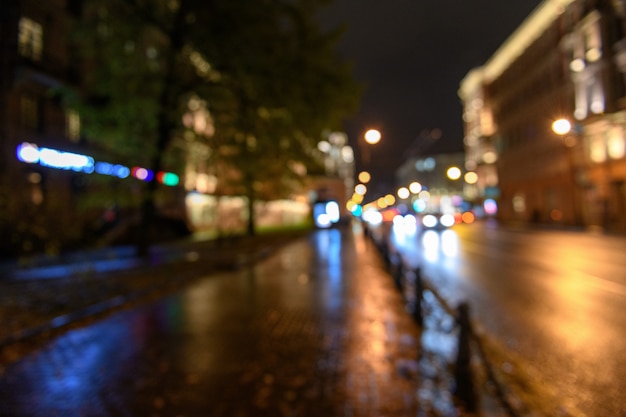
(36, 188)
(72, 125)
(616, 145)
(30, 39)
(593, 42)
(30, 112)
(597, 148)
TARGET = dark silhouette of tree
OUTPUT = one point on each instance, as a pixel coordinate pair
(267, 72)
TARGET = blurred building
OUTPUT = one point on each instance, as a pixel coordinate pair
(338, 182)
(566, 60)
(35, 60)
(431, 171)
(46, 162)
(48, 198)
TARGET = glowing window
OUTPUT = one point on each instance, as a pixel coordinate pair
(30, 39)
(593, 40)
(616, 145)
(519, 203)
(72, 125)
(597, 149)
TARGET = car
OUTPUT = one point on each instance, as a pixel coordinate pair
(438, 220)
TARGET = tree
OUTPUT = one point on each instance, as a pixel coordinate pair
(287, 86)
(267, 72)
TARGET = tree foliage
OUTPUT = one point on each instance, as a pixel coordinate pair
(266, 71)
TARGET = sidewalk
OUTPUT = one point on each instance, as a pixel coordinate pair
(50, 293)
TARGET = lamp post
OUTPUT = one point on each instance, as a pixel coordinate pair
(563, 128)
(372, 137)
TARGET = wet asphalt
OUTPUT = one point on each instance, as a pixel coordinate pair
(314, 328)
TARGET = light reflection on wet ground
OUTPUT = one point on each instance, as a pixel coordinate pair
(551, 300)
(68, 375)
(317, 329)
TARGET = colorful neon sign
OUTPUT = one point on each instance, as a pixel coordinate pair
(54, 158)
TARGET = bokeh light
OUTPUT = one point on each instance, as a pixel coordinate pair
(468, 217)
(490, 206)
(454, 173)
(415, 187)
(403, 192)
(561, 126)
(372, 136)
(471, 177)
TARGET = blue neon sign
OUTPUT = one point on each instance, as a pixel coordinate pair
(115, 170)
(52, 158)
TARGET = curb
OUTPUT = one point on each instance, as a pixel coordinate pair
(63, 320)
(241, 260)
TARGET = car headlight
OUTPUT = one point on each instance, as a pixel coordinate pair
(429, 220)
(447, 220)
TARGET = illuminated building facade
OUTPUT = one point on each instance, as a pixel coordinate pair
(430, 170)
(35, 59)
(45, 161)
(337, 181)
(566, 60)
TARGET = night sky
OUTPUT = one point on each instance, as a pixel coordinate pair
(411, 55)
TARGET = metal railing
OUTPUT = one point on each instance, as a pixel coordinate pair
(469, 342)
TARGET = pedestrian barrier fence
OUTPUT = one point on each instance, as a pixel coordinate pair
(465, 390)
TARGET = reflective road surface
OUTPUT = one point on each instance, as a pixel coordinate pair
(554, 300)
(318, 329)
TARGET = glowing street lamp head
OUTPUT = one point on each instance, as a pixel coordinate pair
(454, 173)
(372, 136)
(561, 126)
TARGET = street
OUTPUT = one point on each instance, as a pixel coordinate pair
(550, 301)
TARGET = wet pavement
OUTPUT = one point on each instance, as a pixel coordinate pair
(46, 293)
(549, 304)
(310, 328)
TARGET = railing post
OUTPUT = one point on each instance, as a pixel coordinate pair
(464, 382)
(399, 272)
(384, 249)
(419, 292)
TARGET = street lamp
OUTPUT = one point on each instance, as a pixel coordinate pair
(454, 173)
(372, 137)
(563, 128)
